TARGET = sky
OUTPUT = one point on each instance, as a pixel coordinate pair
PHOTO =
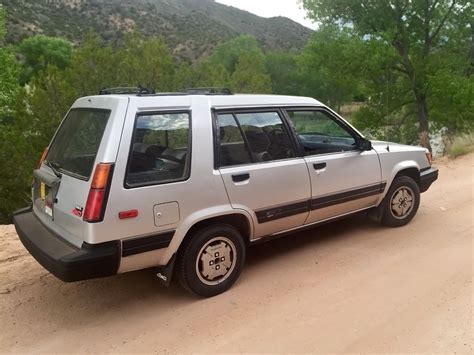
(271, 8)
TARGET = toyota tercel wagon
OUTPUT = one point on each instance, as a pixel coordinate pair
(184, 182)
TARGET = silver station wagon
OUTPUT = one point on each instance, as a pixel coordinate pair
(184, 182)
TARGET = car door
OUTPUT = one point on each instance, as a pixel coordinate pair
(261, 170)
(344, 179)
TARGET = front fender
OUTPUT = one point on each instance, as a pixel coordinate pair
(388, 177)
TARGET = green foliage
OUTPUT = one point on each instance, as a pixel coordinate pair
(285, 73)
(145, 62)
(249, 75)
(8, 82)
(2, 23)
(416, 31)
(8, 74)
(332, 74)
(93, 66)
(201, 74)
(229, 53)
(38, 111)
(39, 51)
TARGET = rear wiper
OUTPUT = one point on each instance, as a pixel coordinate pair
(54, 167)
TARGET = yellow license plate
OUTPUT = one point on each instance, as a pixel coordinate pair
(42, 191)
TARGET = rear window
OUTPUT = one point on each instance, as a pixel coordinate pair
(74, 148)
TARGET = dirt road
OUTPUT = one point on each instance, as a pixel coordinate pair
(352, 286)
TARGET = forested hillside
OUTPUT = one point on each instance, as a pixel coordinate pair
(190, 28)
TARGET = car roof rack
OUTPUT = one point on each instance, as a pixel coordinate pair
(208, 91)
(124, 90)
(141, 91)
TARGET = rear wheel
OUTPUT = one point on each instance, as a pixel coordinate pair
(401, 202)
(211, 260)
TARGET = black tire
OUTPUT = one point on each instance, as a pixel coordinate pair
(223, 238)
(404, 187)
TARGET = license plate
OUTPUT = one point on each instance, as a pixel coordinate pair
(42, 191)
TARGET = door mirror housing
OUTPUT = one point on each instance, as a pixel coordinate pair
(363, 144)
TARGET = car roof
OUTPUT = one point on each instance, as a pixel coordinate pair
(245, 100)
(219, 100)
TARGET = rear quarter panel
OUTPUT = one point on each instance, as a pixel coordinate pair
(201, 196)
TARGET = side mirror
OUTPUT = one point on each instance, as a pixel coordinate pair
(363, 144)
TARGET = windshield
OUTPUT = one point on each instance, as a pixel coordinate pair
(77, 141)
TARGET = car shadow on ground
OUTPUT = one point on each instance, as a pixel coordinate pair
(140, 292)
(309, 238)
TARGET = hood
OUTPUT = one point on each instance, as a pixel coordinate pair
(384, 146)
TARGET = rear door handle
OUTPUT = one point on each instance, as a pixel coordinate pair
(240, 177)
(319, 166)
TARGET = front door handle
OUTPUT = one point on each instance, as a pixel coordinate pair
(319, 166)
(240, 177)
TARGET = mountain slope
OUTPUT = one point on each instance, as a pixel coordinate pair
(190, 27)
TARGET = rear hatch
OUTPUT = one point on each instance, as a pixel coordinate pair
(62, 183)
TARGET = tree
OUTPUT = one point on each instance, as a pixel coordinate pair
(8, 90)
(249, 75)
(8, 82)
(331, 66)
(228, 53)
(202, 74)
(92, 67)
(284, 72)
(39, 51)
(416, 29)
(3, 30)
(146, 62)
(8, 74)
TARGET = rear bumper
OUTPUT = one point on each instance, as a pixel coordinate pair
(427, 177)
(62, 259)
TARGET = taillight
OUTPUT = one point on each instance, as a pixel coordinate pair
(43, 157)
(98, 193)
(429, 156)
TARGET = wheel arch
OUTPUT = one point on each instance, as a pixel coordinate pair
(412, 172)
(406, 168)
(409, 169)
(236, 219)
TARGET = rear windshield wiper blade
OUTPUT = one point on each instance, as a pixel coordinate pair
(55, 167)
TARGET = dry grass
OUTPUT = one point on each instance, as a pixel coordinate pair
(461, 145)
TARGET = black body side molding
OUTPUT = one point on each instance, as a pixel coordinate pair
(144, 244)
(282, 211)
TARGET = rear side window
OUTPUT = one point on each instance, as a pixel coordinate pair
(232, 148)
(160, 151)
(252, 138)
(74, 148)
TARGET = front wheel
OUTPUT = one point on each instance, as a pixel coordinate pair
(211, 260)
(401, 202)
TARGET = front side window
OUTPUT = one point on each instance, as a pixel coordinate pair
(319, 133)
(75, 146)
(252, 138)
(160, 151)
